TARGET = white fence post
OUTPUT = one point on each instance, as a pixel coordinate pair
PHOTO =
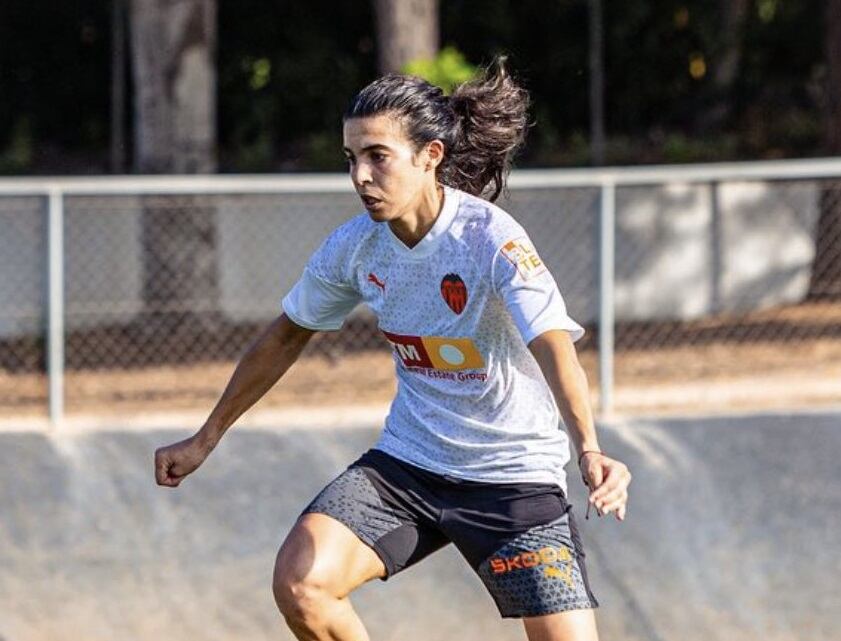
(607, 249)
(55, 336)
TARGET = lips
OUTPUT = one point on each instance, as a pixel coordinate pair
(370, 201)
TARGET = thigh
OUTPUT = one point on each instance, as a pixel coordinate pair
(323, 551)
(525, 547)
(572, 625)
(383, 509)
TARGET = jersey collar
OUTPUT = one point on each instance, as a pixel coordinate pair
(430, 240)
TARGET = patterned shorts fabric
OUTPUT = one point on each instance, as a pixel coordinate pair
(520, 538)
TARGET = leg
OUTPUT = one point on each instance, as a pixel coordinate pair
(573, 625)
(319, 564)
(525, 547)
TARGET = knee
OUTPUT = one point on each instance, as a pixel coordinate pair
(300, 597)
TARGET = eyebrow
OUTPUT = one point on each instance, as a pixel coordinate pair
(373, 147)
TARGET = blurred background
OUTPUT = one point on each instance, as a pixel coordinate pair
(703, 80)
(725, 278)
(166, 169)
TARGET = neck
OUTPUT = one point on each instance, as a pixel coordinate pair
(413, 226)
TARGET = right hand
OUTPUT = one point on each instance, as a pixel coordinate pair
(174, 462)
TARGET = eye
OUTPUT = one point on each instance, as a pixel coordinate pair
(349, 160)
(378, 157)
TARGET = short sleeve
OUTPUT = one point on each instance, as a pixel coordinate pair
(324, 295)
(318, 304)
(529, 291)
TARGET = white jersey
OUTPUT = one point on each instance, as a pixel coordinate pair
(459, 309)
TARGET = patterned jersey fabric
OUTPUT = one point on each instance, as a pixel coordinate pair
(459, 309)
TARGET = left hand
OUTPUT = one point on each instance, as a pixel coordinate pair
(608, 481)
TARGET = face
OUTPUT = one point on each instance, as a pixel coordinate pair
(387, 172)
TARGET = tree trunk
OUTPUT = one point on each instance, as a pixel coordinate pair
(406, 30)
(173, 55)
(118, 86)
(173, 62)
(728, 59)
(825, 283)
(596, 56)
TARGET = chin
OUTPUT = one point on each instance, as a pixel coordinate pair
(379, 216)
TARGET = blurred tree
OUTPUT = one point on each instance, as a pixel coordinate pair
(547, 47)
(287, 69)
(406, 30)
(54, 62)
(595, 46)
(286, 73)
(833, 80)
(727, 57)
(118, 86)
(447, 70)
(826, 269)
(173, 63)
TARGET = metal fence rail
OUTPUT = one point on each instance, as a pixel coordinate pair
(689, 263)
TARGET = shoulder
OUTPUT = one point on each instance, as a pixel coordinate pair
(352, 231)
(332, 260)
(485, 226)
(498, 242)
(345, 238)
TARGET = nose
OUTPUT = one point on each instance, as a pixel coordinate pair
(360, 173)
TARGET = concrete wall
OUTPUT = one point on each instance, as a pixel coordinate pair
(732, 534)
(683, 251)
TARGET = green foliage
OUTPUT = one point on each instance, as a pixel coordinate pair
(18, 154)
(54, 75)
(259, 70)
(678, 148)
(766, 9)
(447, 70)
(286, 72)
(321, 151)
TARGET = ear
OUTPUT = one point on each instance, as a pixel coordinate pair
(434, 153)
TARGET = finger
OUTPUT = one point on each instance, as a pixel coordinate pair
(161, 468)
(173, 481)
(606, 491)
(613, 478)
(607, 494)
(169, 481)
(166, 472)
(614, 505)
(594, 479)
(618, 510)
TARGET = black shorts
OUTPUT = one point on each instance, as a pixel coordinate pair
(520, 538)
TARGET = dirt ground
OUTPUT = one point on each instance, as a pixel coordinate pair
(714, 365)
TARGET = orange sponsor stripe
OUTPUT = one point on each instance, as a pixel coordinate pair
(453, 354)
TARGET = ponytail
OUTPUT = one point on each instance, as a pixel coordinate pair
(482, 125)
(492, 120)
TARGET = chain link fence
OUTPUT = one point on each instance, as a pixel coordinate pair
(717, 283)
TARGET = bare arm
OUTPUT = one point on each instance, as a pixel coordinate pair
(607, 478)
(271, 355)
(268, 358)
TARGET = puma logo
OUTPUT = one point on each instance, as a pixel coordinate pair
(372, 278)
(557, 573)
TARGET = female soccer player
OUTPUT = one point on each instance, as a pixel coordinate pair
(471, 452)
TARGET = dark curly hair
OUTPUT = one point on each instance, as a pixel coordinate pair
(482, 124)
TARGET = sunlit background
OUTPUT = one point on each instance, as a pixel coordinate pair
(166, 169)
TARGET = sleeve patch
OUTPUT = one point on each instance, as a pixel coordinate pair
(522, 254)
